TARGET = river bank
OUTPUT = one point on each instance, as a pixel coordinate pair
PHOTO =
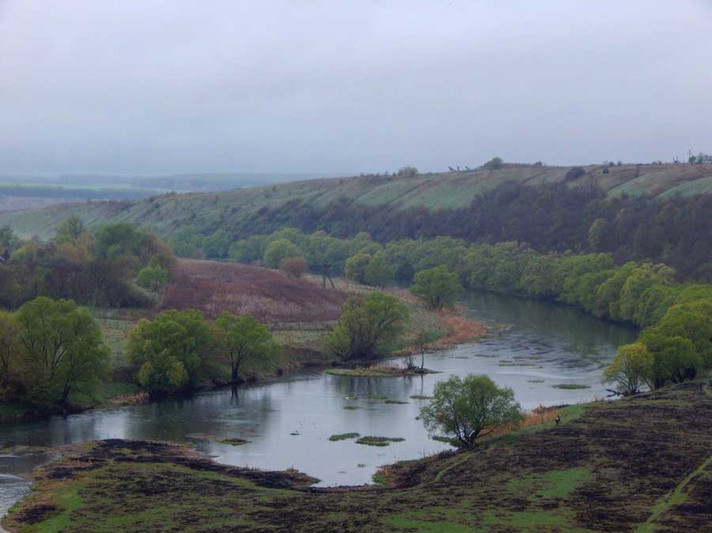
(617, 466)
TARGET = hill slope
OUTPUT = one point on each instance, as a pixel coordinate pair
(166, 215)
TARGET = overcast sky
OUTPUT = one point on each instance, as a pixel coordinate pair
(179, 86)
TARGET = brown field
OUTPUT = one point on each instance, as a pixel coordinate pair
(269, 295)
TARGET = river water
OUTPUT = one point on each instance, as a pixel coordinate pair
(288, 423)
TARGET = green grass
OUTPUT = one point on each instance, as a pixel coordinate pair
(675, 497)
(203, 212)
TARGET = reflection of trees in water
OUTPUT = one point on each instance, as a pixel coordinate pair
(552, 325)
(392, 388)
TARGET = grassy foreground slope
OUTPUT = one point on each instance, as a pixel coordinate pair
(167, 215)
(636, 465)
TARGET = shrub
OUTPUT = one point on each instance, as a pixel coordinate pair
(294, 267)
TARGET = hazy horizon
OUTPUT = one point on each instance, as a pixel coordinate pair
(155, 88)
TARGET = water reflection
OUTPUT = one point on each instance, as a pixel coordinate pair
(289, 423)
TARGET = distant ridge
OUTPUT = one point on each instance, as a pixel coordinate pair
(167, 214)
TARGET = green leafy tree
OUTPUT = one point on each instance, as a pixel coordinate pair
(378, 273)
(244, 340)
(278, 250)
(355, 269)
(368, 326)
(11, 350)
(631, 368)
(437, 286)
(674, 358)
(64, 351)
(70, 230)
(172, 352)
(466, 409)
(153, 279)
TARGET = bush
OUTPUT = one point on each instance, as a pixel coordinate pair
(294, 267)
(574, 173)
(494, 164)
(278, 250)
(153, 279)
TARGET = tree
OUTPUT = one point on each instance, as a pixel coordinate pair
(368, 326)
(574, 173)
(437, 286)
(152, 278)
(674, 357)
(494, 164)
(378, 273)
(172, 352)
(407, 172)
(294, 267)
(278, 250)
(355, 268)
(11, 349)
(422, 339)
(631, 368)
(65, 353)
(243, 339)
(470, 408)
(70, 230)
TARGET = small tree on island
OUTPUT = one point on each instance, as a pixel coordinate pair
(437, 286)
(468, 409)
(244, 339)
(368, 326)
(422, 339)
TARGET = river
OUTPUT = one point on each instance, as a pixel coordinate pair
(288, 423)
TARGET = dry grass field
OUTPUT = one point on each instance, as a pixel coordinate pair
(269, 295)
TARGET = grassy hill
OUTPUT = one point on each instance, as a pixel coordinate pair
(207, 211)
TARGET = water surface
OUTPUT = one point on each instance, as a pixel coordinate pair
(288, 423)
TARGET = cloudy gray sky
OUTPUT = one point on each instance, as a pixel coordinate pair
(168, 86)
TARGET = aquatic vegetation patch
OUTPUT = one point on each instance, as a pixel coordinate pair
(233, 441)
(570, 386)
(535, 381)
(378, 441)
(352, 407)
(421, 397)
(397, 402)
(378, 372)
(344, 436)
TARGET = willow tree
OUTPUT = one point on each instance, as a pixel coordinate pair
(244, 340)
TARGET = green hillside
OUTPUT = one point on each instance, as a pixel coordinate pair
(205, 211)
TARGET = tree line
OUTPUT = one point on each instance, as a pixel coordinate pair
(550, 218)
(118, 265)
(52, 353)
(676, 316)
